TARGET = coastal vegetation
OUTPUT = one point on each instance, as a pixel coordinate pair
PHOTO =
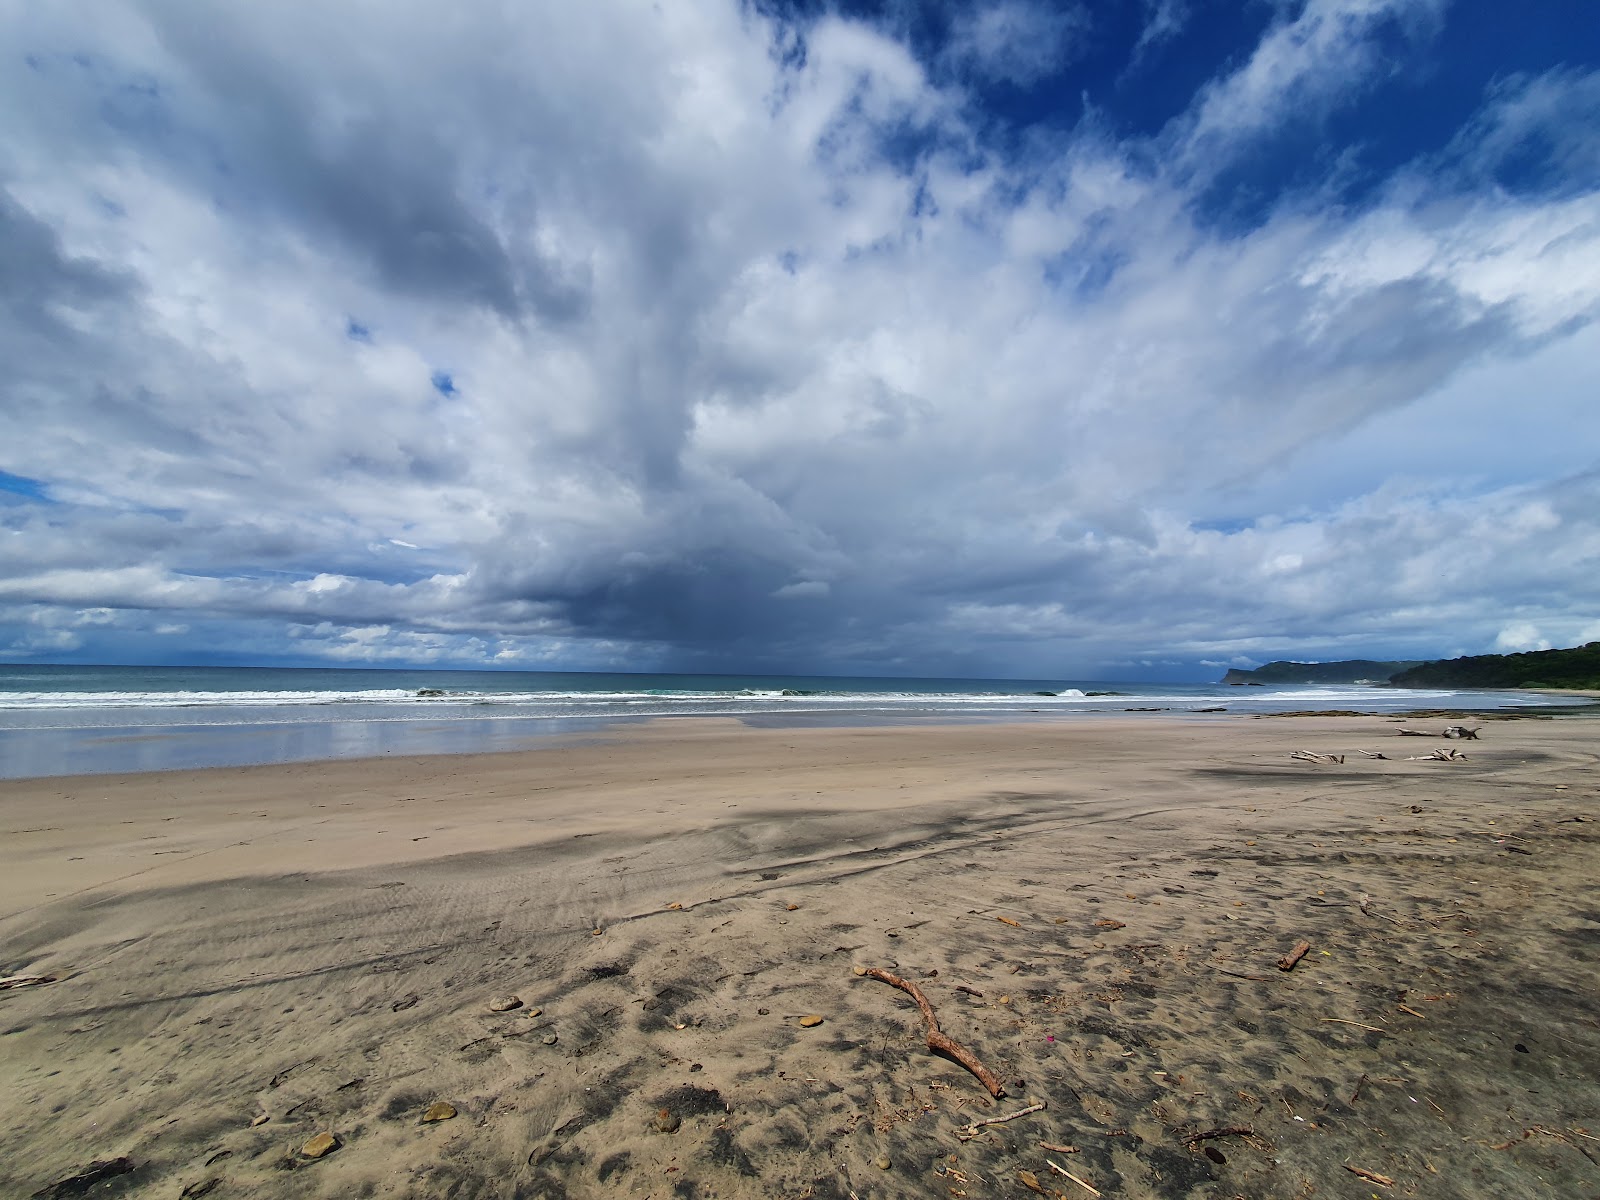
(1576, 669)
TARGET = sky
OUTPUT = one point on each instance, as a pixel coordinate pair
(1128, 340)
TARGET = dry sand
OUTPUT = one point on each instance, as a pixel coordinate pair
(248, 958)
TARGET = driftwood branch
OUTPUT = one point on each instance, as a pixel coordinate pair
(1370, 754)
(1287, 962)
(938, 1042)
(1312, 757)
(1461, 731)
(967, 1132)
(1442, 754)
(1083, 1183)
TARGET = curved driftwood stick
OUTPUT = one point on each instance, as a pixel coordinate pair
(938, 1042)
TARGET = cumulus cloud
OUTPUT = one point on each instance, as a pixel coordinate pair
(708, 337)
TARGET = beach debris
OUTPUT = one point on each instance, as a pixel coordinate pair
(1311, 756)
(320, 1146)
(1371, 1176)
(1031, 1181)
(505, 1003)
(22, 981)
(550, 1039)
(1357, 1024)
(1442, 754)
(1461, 731)
(673, 907)
(1108, 923)
(967, 1132)
(200, 1187)
(1207, 1135)
(260, 1120)
(859, 970)
(882, 1162)
(811, 1020)
(439, 1110)
(1010, 922)
(961, 987)
(1288, 961)
(1370, 754)
(1083, 1183)
(1058, 1149)
(791, 908)
(77, 1185)
(939, 1042)
(401, 1005)
(666, 1121)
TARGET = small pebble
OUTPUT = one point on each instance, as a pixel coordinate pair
(666, 1121)
(323, 1143)
(791, 907)
(504, 1004)
(810, 1020)
(439, 1110)
(261, 1119)
(549, 1039)
(859, 970)
(883, 1162)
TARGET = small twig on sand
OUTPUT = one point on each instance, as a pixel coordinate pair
(938, 1042)
(1241, 975)
(1356, 1094)
(1357, 1024)
(967, 1132)
(1074, 1149)
(1083, 1183)
(1370, 754)
(1227, 1131)
(1381, 1180)
(1287, 962)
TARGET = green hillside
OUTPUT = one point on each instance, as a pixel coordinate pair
(1353, 670)
(1575, 668)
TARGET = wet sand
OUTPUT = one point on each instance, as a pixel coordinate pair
(247, 958)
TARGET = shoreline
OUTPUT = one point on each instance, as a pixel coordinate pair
(1094, 909)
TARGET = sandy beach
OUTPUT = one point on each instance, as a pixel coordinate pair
(599, 962)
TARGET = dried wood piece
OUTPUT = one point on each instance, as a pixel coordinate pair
(1010, 922)
(1442, 754)
(1461, 731)
(1311, 756)
(1225, 1131)
(1063, 1149)
(1370, 754)
(938, 1042)
(967, 1132)
(1373, 1176)
(1083, 1183)
(1287, 962)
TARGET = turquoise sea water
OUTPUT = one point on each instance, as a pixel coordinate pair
(58, 720)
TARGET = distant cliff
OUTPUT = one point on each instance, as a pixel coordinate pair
(1578, 668)
(1353, 670)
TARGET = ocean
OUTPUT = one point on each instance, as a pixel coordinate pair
(59, 720)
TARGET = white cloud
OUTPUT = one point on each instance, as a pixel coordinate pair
(726, 329)
(1018, 41)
